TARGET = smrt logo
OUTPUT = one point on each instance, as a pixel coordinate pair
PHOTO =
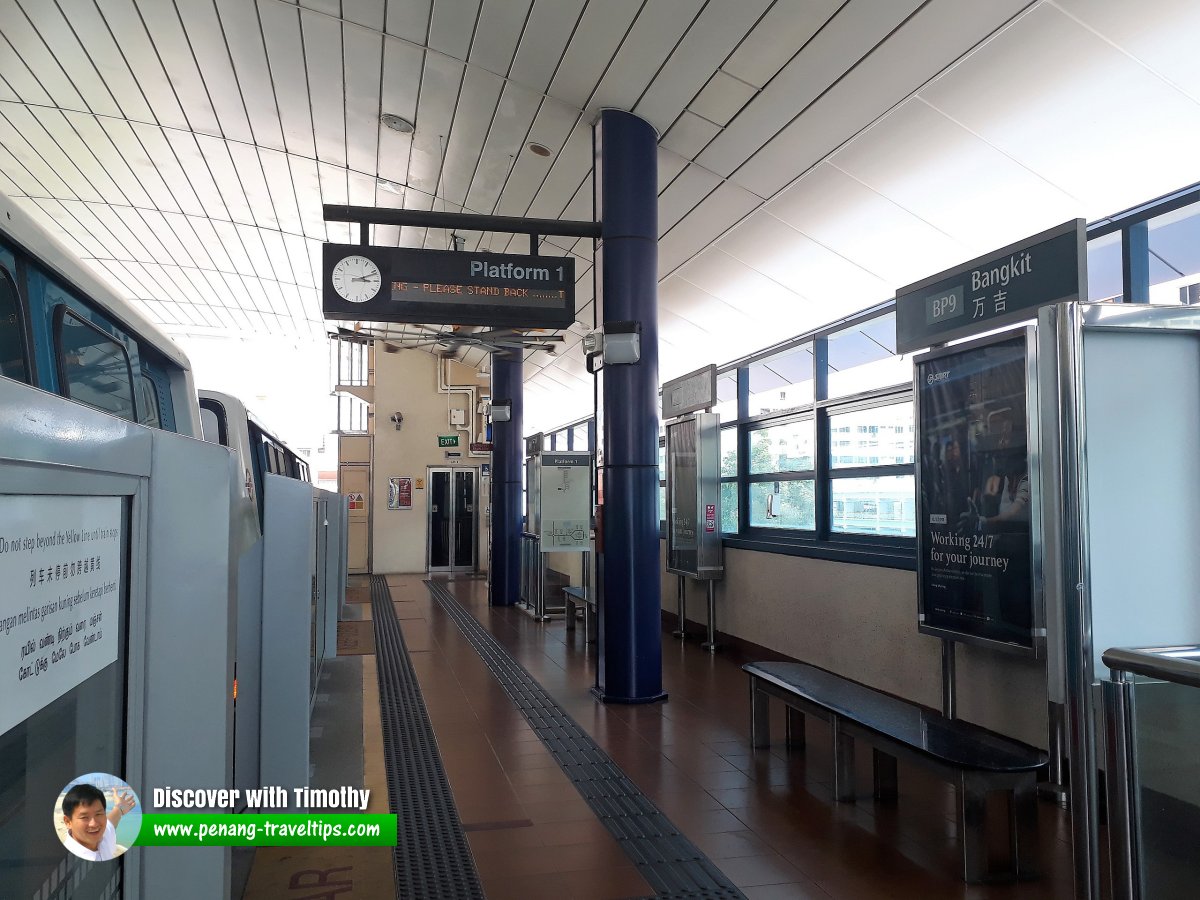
(935, 377)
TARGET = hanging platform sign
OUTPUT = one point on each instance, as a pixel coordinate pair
(689, 393)
(446, 287)
(1005, 286)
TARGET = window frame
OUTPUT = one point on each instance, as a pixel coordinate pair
(23, 327)
(61, 311)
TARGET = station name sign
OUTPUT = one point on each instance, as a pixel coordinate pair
(393, 284)
(1005, 286)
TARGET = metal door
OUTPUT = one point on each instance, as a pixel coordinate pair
(452, 519)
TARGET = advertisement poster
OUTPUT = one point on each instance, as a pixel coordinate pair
(60, 564)
(400, 493)
(974, 524)
(682, 514)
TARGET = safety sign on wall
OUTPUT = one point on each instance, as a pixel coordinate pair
(60, 564)
(400, 493)
(357, 501)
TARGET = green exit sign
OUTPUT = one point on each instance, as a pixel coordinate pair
(447, 440)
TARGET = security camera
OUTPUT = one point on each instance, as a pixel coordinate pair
(398, 418)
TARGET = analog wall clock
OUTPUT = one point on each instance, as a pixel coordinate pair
(356, 279)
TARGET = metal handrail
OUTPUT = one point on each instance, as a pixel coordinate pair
(1180, 665)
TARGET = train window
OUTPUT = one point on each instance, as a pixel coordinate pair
(212, 423)
(93, 366)
(12, 331)
(149, 405)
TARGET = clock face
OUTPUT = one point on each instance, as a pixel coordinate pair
(356, 279)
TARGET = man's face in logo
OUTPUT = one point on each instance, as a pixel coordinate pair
(87, 823)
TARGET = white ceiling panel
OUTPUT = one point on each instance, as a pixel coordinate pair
(440, 85)
(599, 34)
(166, 164)
(213, 245)
(779, 35)
(125, 23)
(402, 65)
(830, 207)
(225, 176)
(705, 46)
(48, 213)
(893, 159)
(570, 168)
(278, 176)
(472, 119)
(361, 189)
(185, 235)
(134, 233)
(76, 156)
(135, 160)
(247, 167)
(368, 13)
(500, 25)
(505, 143)
(657, 29)
(171, 42)
(812, 270)
(195, 167)
(244, 41)
(551, 127)
(47, 164)
(453, 26)
(363, 64)
(308, 185)
(232, 242)
(104, 52)
(722, 98)
(289, 80)
(94, 136)
(322, 38)
(19, 82)
(207, 41)
(60, 40)
(547, 32)
(849, 36)
(1161, 37)
(39, 58)
(704, 224)
(689, 135)
(409, 20)
(1047, 75)
(683, 195)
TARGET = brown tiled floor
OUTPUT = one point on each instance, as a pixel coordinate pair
(766, 817)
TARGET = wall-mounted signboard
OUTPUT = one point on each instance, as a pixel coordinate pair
(1005, 286)
(447, 440)
(694, 496)
(689, 393)
(400, 493)
(394, 284)
(977, 503)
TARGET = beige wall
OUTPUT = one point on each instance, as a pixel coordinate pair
(861, 622)
(406, 382)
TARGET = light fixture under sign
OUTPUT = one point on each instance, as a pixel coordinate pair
(397, 123)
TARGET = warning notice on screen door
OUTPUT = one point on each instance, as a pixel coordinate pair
(60, 563)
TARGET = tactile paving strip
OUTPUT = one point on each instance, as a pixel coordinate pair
(432, 858)
(669, 862)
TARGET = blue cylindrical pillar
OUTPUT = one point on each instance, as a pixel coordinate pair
(630, 663)
(507, 459)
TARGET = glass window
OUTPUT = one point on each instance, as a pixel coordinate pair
(95, 366)
(881, 435)
(726, 406)
(1174, 242)
(783, 504)
(729, 451)
(12, 337)
(548, 441)
(782, 383)
(580, 437)
(863, 358)
(729, 507)
(1104, 279)
(148, 405)
(884, 506)
(783, 448)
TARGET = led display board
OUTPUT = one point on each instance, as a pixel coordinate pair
(447, 287)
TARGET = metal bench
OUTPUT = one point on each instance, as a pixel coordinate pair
(976, 761)
(583, 597)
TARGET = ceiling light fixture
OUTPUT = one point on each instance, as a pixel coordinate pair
(397, 123)
(539, 150)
